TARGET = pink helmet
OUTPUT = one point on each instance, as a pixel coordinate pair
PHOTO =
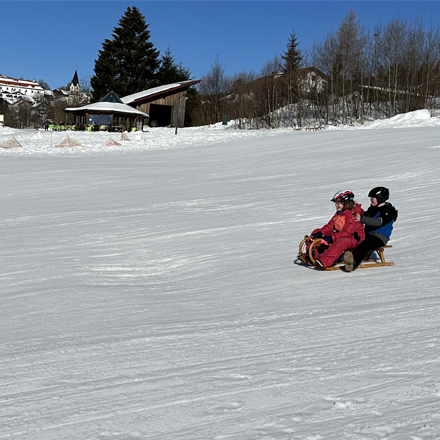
(343, 196)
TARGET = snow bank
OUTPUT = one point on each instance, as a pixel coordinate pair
(419, 118)
(43, 143)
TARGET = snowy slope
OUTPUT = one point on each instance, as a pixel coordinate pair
(149, 291)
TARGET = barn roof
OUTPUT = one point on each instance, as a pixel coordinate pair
(155, 91)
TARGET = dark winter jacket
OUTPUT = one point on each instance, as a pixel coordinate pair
(379, 221)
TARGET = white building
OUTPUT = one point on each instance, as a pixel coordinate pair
(311, 78)
(13, 89)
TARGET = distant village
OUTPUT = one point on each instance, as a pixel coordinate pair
(26, 103)
(14, 91)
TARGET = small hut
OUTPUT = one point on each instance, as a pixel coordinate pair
(122, 116)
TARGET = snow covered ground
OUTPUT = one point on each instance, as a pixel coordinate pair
(150, 291)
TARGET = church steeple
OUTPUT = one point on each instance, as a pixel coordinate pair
(74, 88)
(75, 81)
(74, 85)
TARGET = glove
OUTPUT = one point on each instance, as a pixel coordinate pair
(316, 235)
(327, 240)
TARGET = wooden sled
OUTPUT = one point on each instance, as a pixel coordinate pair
(307, 257)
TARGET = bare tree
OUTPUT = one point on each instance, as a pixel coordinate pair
(351, 42)
(326, 57)
(85, 88)
(55, 112)
(214, 87)
(270, 90)
(391, 50)
(242, 102)
(431, 59)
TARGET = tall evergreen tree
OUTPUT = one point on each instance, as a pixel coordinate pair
(291, 62)
(169, 72)
(292, 56)
(128, 62)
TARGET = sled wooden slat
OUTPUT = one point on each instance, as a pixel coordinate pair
(368, 262)
(390, 263)
(364, 265)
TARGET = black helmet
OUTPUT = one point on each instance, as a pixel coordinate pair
(343, 196)
(381, 194)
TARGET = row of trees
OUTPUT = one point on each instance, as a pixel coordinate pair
(393, 69)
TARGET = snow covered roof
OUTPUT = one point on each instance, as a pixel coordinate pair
(107, 108)
(25, 83)
(62, 92)
(111, 97)
(129, 99)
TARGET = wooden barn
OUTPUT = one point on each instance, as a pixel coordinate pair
(164, 104)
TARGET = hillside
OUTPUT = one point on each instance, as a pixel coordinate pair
(150, 291)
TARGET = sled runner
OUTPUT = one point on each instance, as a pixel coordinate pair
(308, 255)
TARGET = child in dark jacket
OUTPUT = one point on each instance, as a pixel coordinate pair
(378, 219)
(343, 232)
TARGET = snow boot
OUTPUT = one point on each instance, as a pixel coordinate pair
(350, 263)
(319, 264)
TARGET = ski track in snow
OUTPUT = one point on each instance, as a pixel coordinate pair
(151, 292)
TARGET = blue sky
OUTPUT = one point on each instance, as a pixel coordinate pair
(50, 39)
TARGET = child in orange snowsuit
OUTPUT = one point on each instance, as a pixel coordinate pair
(343, 232)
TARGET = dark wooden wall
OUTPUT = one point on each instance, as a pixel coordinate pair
(178, 103)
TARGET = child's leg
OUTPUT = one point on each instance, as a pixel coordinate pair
(336, 250)
(370, 243)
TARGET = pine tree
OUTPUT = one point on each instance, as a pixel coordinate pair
(169, 72)
(292, 57)
(128, 62)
